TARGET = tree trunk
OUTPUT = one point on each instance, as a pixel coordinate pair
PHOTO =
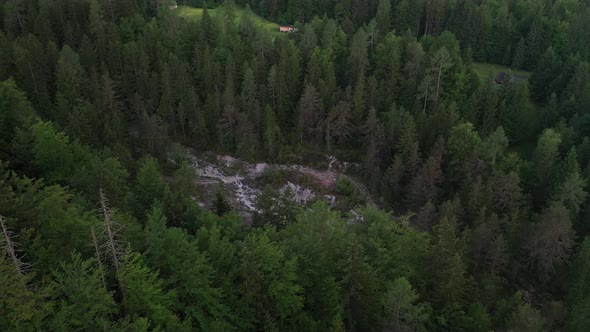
(438, 84)
(98, 258)
(426, 96)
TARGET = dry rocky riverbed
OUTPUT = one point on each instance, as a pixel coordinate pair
(242, 182)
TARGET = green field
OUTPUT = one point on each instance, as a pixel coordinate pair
(489, 71)
(196, 13)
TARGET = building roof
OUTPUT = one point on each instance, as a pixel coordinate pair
(501, 77)
(516, 77)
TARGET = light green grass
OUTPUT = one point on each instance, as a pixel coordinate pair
(196, 13)
(489, 71)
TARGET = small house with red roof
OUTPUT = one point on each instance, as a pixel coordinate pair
(287, 28)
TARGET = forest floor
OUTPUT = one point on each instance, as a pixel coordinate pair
(489, 71)
(196, 13)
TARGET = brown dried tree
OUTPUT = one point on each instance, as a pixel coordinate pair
(8, 245)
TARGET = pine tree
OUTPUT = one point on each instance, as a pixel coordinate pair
(569, 184)
(508, 194)
(358, 60)
(401, 311)
(268, 283)
(551, 243)
(358, 281)
(287, 209)
(536, 43)
(183, 268)
(33, 69)
(526, 318)
(579, 87)
(70, 79)
(309, 40)
(110, 109)
(317, 238)
(488, 109)
(23, 305)
(545, 158)
(16, 18)
(426, 185)
(6, 57)
(407, 145)
(310, 115)
(580, 288)
(221, 206)
(359, 100)
(83, 302)
(383, 17)
(105, 173)
(144, 294)
(463, 142)
(441, 62)
(247, 145)
(519, 55)
(15, 112)
(548, 67)
(494, 146)
(207, 28)
(272, 133)
(266, 207)
(373, 133)
(149, 187)
(338, 124)
(52, 152)
(249, 100)
(583, 153)
(507, 59)
(452, 283)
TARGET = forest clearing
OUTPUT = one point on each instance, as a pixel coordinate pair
(489, 71)
(240, 13)
(169, 168)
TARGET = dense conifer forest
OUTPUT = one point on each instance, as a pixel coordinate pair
(478, 217)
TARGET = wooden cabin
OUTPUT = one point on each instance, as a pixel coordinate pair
(501, 78)
(287, 28)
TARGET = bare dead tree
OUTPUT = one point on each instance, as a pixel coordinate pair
(112, 246)
(9, 246)
(98, 257)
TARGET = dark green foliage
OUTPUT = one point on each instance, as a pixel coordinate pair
(526, 318)
(103, 96)
(275, 209)
(24, 306)
(143, 293)
(186, 270)
(221, 206)
(580, 288)
(149, 188)
(400, 310)
(15, 113)
(83, 302)
(268, 284)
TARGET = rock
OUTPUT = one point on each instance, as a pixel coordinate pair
(260, 168)
(228, 161)
(243, 190)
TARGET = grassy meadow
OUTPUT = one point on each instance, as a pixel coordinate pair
(489, 71)
(196, 13)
